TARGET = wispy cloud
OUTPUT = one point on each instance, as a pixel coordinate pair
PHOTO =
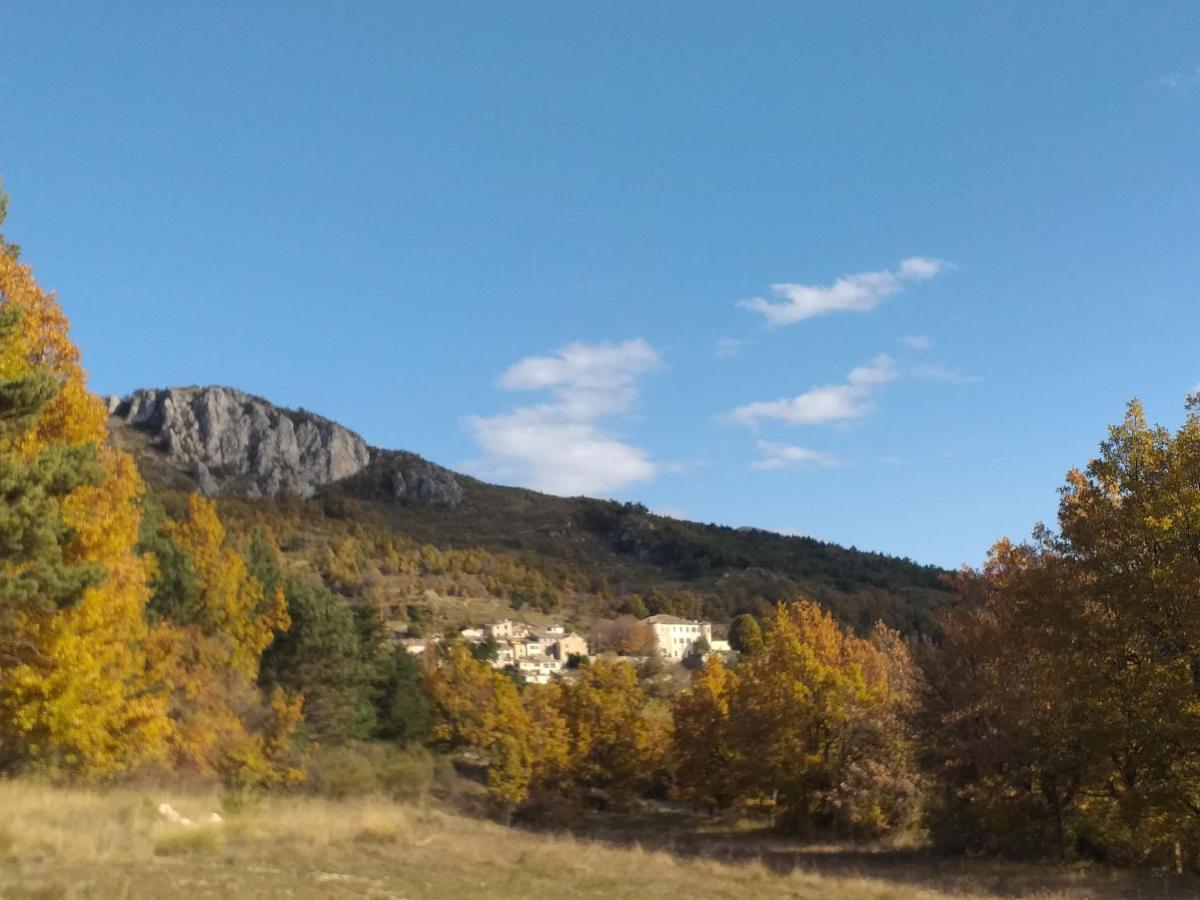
(861, 292)
(561, 446)
(918, 342)
(940, 372)
(728, 348)
(829, 403)
(1182, 81)
(783, 456)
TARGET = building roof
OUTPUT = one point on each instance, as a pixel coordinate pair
(664, 619)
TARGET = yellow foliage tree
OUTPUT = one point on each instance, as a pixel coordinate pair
(479, 709)
(75, 691)
(209, 645)
(618, 737)
(550, 736)
(706, 762)
(818, 718)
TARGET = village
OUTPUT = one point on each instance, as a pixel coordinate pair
(539, 654)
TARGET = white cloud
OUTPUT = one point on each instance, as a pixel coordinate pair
(782, 456)
(861, 292)
(588, 380)
(918, 342)
(940, 372)
(728, 348)
(560, 446)
(828, 403)
(587, 366)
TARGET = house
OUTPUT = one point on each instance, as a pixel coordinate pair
(539, 669)
(507, 630)
(675, 637)
(509, 652)
(539, 643)
(570, 645)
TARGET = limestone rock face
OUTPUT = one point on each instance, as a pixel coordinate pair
(411, 479)
(232, 442)
(406, 478)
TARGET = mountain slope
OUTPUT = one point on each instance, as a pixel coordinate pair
(243, 449)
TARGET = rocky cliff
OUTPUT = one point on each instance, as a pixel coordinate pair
(225, 441)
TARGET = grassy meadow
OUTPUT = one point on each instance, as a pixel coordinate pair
(73, 843)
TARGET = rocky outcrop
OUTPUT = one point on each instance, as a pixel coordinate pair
(230, 442)
(224, 441)
(406, 478)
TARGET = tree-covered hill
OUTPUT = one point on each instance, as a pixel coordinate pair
(278, 467)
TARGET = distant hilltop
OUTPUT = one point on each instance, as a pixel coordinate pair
(226, 441)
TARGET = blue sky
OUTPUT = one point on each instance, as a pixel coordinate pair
(875, 272)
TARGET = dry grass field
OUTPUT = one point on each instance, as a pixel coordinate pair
(60, 843)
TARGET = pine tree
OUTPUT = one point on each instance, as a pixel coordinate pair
(34, 576)
(321, 658)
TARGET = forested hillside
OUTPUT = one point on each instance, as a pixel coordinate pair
(278, 469)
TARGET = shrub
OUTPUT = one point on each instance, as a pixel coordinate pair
(363, 769)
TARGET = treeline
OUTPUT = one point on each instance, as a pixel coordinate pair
(693, 550)
(809, 729)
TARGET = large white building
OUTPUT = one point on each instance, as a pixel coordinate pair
(675, 637)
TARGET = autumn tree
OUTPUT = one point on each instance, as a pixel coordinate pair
(617, 735)
(477, 709)
(624, 635)
(550, 735)
(1063, 704)
(76, 693)
(818, 716)
(35, 577)
(705, 761)
(214, 620)
(1006, 720)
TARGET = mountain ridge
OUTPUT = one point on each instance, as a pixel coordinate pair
(239, 447)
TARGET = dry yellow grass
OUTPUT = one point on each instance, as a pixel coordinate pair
(65, 843)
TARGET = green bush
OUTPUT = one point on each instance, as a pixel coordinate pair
(379, 769)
